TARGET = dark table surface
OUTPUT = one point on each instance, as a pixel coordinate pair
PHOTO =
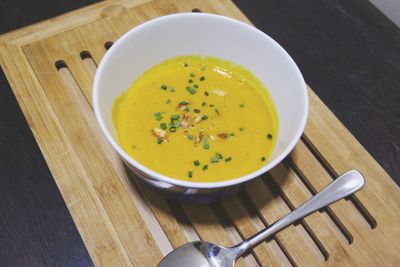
(348, 52)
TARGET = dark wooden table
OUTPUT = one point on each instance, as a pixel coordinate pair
(349, 54)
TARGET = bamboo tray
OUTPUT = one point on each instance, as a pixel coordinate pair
(50, 67)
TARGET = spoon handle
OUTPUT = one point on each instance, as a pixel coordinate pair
(341, 187)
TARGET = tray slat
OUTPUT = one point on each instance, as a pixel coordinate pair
(124, 223)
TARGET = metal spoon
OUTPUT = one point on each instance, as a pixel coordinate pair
(205, 254)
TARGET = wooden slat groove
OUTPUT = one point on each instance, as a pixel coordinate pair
(356, 202)
(341, 227)
(267, 253)
(271, 207)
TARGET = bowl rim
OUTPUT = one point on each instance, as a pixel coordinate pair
(174, 181)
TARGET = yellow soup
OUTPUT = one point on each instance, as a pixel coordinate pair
(199, 119)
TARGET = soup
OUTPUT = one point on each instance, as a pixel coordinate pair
(199, 119)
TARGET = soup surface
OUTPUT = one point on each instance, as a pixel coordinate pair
(200, 119)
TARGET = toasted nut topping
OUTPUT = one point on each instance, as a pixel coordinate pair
(199, 137)
(185, 122)
(218, 92)
(223, 135)
(160, 134)
(197, 118)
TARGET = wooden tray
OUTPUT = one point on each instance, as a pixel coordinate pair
(50, 67)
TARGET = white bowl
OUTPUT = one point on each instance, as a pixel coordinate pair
(211, 35)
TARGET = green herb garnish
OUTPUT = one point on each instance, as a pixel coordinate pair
(206, 93)
(172, 89)
(202, 68)
(262, 158)
(184, 103)
(204, 117)
(241, 129)
(164, 87)
(232, 134)
(196, 163)
(192, 75)
(216, 158)
(167, 101)
(205, 167)
(241, 105)
(172, 129)
(191, 90)
(203, 104)
(202, 78)
(159, 141)
(217, 111)
(174, 117)
(269, 136)
(163, 126)
(190, 81)
(158, 116)
(190, 136)
(205, 143)
(185, 64)
(196, 86)
(228, 159)
(196, 110)
(211, 105)
(190, 174)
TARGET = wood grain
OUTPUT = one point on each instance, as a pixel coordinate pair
(124, 223)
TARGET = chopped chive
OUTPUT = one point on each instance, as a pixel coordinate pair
(206, 93)
(192, 75)
(191, 90)
(190, 81)
(241, 105)
(159, 141)
(202, 68)
(205, 144)
(178, 124)
(203, 104)
(172, 129)
(163, 126)
(204, 117)
(187, 109)
(232, 134)
(262, 158)
(241, 129)
(205, 167)
(172, 89)
(216, 158)
(211, 105)
(196, 163)
(202, 78)
(196, 86)
(196, 110)
(174, 117)
(164, 87)
(167, 101)
(158, 116)
(228, 159)
(184, 103)
(185, 64)
(269, 136)
(190, 136)
(190, 174)
(217, 111)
